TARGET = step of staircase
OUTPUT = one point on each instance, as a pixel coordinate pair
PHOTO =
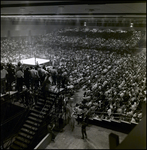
(50, 101)
(30, 127)
(38, 112)
(36, 115)
(20, 144)
(22, 139)
(40, 102)
(45, 109)
(37, 107)
(51, 94)
(27, 131)
(24, 135)
(13, 146)
(47, 106)
(50, 98)
(32, 123)
(42, 110)
(34, 119)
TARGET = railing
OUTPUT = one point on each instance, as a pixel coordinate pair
(119, 116)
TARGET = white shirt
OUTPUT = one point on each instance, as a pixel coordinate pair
(109, 112)
(78, 110)
(3, 73)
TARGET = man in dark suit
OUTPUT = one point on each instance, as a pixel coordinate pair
(83, 129)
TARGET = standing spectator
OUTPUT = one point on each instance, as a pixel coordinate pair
(18, 66)
(46, 85)
(78, 112)
(4, 73)
(60, 121)
(50, 130)
(34, 78)
(64, 105)
(72, 122)
(27, 78)
(87, 115)
(64, 79)
(59, 78)
(60, 103)
(10, 77)
(42, 74)
(19, 79)
(37, 78)
(83, 129)
(54, 75)
(27, 97)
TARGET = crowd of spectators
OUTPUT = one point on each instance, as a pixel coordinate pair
(13, 50)
(114, 78)
(120, 90)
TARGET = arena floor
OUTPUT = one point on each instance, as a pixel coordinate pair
(98, 138)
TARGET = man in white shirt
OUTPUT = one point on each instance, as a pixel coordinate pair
(42, 74)
(3, 79)
(34, 78)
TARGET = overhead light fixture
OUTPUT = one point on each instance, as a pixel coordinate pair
(131, 25)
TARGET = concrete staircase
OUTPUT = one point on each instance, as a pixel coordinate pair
(29, 131)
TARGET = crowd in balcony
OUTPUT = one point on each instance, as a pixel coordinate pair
(113, 77)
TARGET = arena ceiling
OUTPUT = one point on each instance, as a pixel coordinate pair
(99, 7)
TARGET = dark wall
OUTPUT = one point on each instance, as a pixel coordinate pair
(11, 119)
(13, 29)
(136, 138)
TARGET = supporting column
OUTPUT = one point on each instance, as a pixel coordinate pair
(143, 109)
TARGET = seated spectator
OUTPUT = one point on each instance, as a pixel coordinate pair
(109, 111)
